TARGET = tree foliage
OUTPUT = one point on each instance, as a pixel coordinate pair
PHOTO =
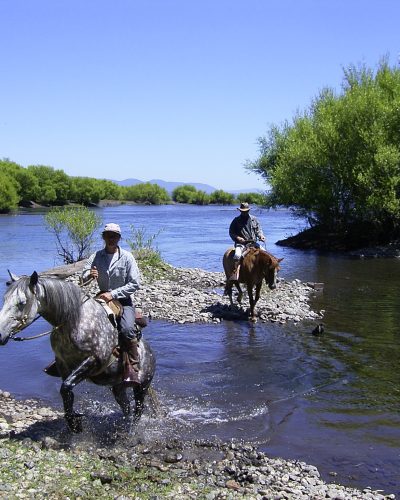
(74, 229)
(252, 198)
(8, 193)
(184, 194)
(338, 163)
(147, 193)
(220, 197)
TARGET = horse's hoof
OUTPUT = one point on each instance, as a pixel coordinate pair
(253, 319)
(75, 423)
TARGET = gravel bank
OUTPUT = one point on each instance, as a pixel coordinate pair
(193, 295)
(40, 460)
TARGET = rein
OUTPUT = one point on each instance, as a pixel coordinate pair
(19, 339)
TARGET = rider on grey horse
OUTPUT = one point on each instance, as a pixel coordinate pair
(243, 228)
(117, 275)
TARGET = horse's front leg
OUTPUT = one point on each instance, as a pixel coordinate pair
(74, 419)
(252, 303)
(258, 291)
(121, 398)
(140, 394)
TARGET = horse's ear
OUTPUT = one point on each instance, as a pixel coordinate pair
(280, 260)
(34, 280)
(13, 277)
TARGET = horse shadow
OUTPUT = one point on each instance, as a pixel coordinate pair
(227, 312)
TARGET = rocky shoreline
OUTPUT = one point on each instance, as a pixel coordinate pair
(185, 295)
(39, 459)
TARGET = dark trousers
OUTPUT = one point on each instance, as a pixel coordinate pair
(126, 323)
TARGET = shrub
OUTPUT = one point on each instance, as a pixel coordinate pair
(142, 246)
(74, 229)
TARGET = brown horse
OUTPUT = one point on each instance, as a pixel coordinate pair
(256, 265)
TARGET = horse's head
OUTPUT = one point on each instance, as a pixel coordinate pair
(271, 270)
(20, 306)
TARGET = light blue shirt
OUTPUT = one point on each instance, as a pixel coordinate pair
(120, 276)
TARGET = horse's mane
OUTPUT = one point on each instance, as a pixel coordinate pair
(63, 298)
(264, 257)
(250, 257)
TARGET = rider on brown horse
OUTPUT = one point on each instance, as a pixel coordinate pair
(243, 228)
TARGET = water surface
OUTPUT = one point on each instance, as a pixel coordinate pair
(332, 400)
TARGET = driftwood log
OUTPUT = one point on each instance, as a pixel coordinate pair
(65, 271)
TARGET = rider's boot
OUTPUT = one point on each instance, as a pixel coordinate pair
(235, 273)
(130, 358)
(52, 369)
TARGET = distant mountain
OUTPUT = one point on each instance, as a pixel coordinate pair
(170, 186)
(128, 182)
(248, 190)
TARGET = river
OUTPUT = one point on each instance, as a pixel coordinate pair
(332, 401)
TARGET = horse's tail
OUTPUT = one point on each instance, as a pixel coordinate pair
(227, 261)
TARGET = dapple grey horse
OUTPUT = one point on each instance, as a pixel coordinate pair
(82, 339)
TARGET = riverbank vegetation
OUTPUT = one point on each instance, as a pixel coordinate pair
(338, 162)
(74, 229)
(46, 186)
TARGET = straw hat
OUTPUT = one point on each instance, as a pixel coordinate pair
(244, 207)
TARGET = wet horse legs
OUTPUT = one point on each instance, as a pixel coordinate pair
(121, 398)
(74, 419)
(253, 300)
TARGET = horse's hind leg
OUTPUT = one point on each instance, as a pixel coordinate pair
(121, 398)
(228, 291)
(74, 419)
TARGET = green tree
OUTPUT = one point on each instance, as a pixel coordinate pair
(220, 197)
(74, 229)
(338, 163)
(184, 194)
(201, 198)
(252, 198)
(8, 193)
(147, 193)
(86, 190)
(110, 190)
(54, 185)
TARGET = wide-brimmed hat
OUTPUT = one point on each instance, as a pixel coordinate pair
(112, 228)
(244, 207)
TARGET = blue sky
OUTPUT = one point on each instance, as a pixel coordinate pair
(178, 90)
